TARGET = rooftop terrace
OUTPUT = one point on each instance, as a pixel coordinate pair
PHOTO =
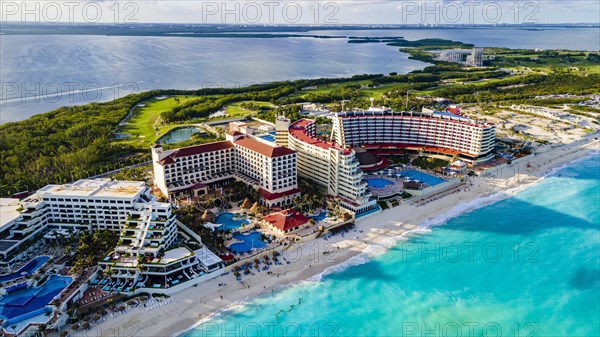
(94, 187)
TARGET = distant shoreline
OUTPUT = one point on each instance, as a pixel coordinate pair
(241, 31)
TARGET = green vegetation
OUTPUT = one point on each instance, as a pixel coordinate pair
(76, 142)
(545, 60)
(190, 216)
(93, 246)
(195, 139)
(245, 109)
(145, 125)
(64, 144)
(134, 174)
(429, 163)
(432, 44)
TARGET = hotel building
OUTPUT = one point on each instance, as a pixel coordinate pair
(383, 131)
(147, 228)
(331, 166)
(191, 171)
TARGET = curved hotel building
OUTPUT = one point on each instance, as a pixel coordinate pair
(384, 131)
(380, 131)
(331, 166)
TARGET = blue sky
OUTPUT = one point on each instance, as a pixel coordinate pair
(428, 12)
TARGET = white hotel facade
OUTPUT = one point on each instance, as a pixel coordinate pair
(380, 129)
(147, 228)
(193, 170)
(331, 166)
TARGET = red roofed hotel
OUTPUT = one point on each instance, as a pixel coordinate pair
(383, 131)
(380, 131)
(191, 171)
(331, 166)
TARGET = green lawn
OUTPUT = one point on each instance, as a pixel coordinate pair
(382, 90)
(234, 110)
(141, 126)
(146, 128)
(327, 88)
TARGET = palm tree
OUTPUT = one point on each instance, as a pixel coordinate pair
(296, 201)
(306, 200)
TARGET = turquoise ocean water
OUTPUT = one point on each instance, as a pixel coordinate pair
(527, 265)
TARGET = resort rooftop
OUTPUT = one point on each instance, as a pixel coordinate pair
(175, 254)
(265, 149)
(298, 131)
(207, 257)
(8, 211)
(93, 187)
(382, 112)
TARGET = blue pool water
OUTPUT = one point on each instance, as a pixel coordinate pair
(249, 241)
(320, 217)
(527, 265)
(23, 302)
(28, 269)
(374, 210)
(227, 221)
(378, 182)
(270, 138)
(422, 177)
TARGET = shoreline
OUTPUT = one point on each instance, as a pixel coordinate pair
(371, 237)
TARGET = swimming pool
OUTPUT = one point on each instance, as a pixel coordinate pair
(320, 217)
(28, 269)
(268, 137)
(422, 177)
(227, 221)
(17, 306)
(247, 242)
(378, 182)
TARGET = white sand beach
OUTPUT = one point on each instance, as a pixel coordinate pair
(375, 232)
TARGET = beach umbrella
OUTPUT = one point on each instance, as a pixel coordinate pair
(255, 208)
(208, 216)
(212, 226)
(246, 204)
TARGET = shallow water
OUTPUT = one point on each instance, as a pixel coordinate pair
(523, 266)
